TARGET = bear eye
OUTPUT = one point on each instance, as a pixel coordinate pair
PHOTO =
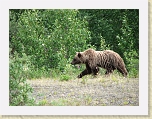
(74, 59)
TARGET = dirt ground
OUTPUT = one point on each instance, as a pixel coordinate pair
(99, 91)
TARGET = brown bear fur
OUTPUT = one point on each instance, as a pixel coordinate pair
(106, 59)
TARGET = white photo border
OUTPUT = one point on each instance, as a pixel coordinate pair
(142, 109)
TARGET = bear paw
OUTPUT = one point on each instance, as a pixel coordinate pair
(79, 76)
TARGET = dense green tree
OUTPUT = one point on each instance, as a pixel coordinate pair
(51, 37)
(118, 28)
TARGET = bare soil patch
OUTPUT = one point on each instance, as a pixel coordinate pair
(99, 91)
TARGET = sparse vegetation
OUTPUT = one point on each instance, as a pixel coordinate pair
(42, 44)
(91, 93)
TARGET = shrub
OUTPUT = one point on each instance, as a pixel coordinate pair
(19, 89)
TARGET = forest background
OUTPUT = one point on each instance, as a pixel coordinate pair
(42, 43)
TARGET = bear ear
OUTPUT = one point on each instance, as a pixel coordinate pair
(79, 54)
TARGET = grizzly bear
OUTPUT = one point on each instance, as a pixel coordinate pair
(106, 59)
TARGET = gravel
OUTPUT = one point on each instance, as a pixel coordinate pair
(99, 91)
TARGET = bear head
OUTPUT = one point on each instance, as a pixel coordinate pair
(78, 59)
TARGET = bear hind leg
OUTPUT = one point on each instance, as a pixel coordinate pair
(95, 71)
(110, 70)
(122, 71)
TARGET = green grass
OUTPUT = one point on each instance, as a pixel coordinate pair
(84, 80)
(43, 102)
(65, 77)
(69, 102)
(71, 72)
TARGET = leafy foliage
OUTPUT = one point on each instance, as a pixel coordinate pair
(117, 30)
(43, 42)
(50, 37)
(19, 89)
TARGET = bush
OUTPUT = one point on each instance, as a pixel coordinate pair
(19, 89)
(132, 63)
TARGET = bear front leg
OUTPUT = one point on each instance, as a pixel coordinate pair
(85, 72)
